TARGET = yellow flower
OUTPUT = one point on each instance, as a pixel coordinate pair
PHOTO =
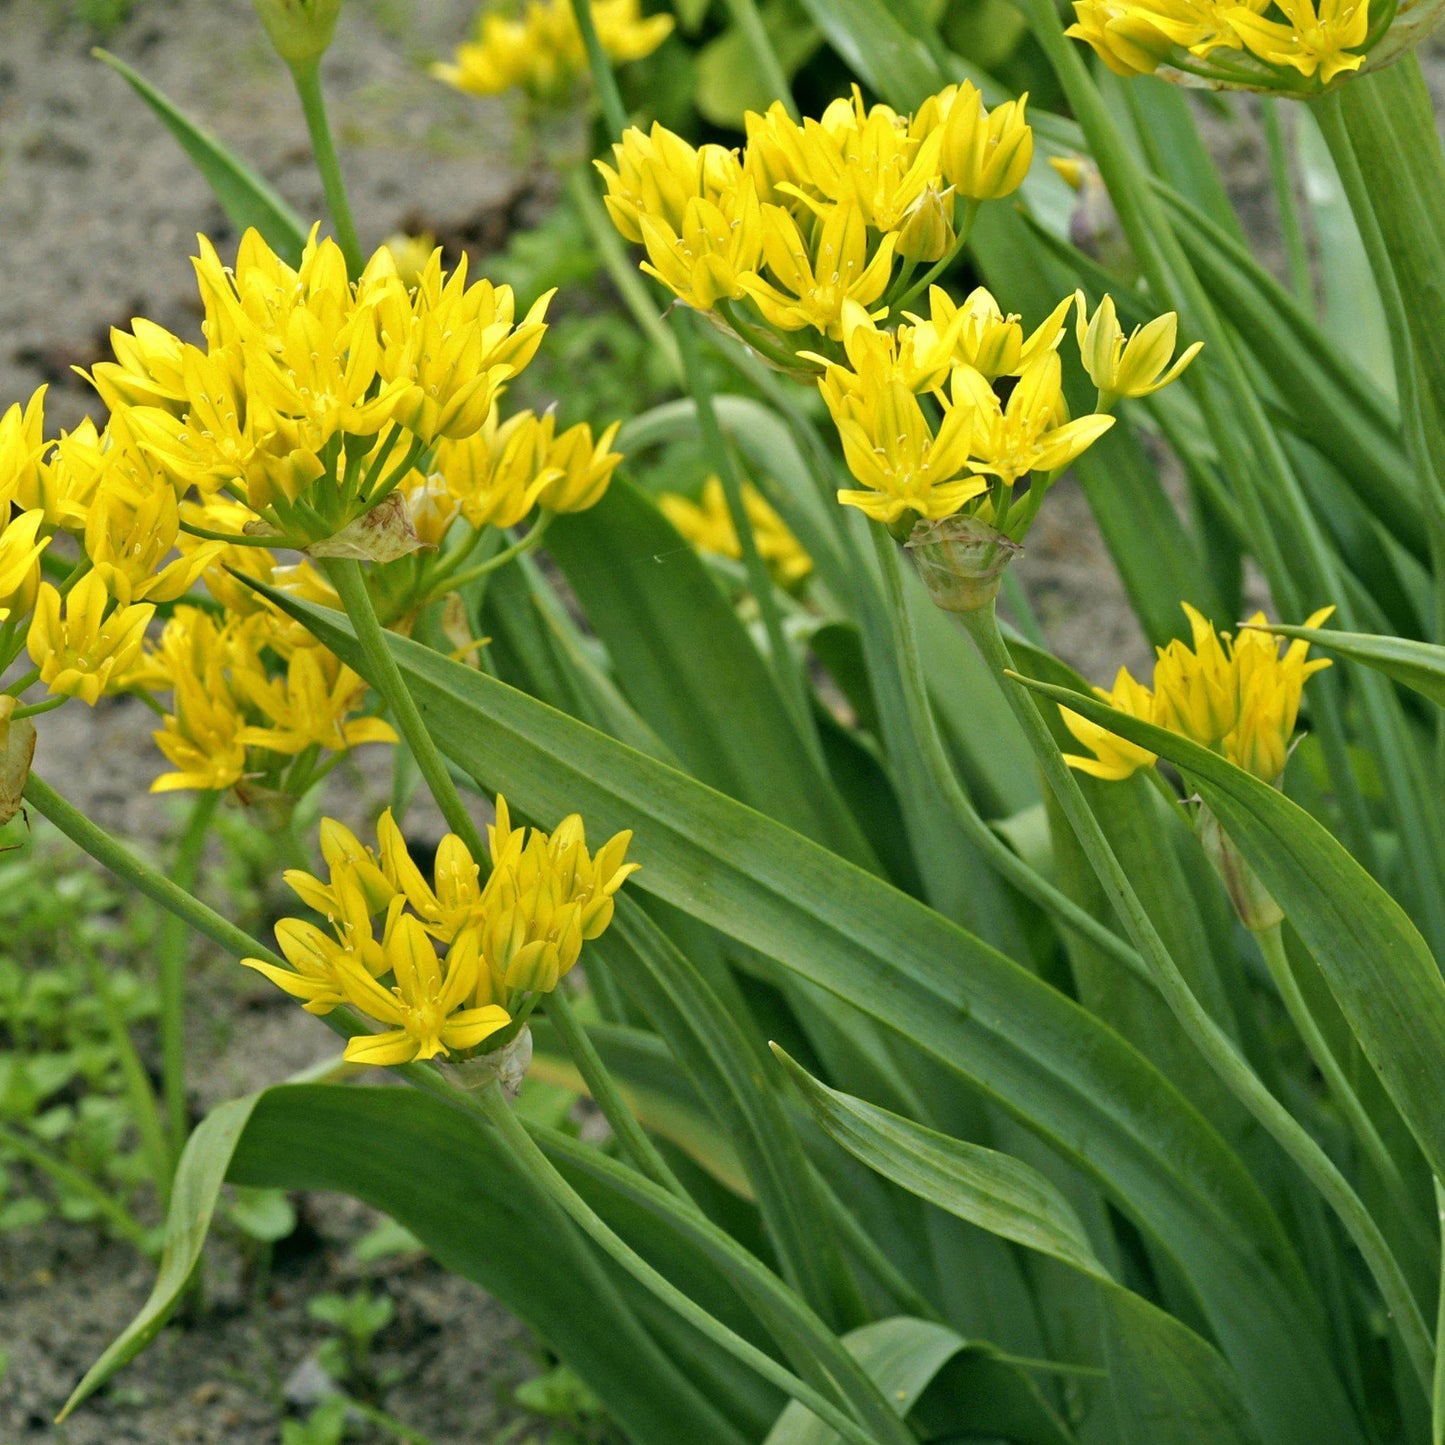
(308, 705)
(708, 525)
(453, 901)
(581, 468)
(64, 484)
(894, 453)
(1238, 696)
(410, 254)
(201, 735)
(986, 154)
(497, 475)
(450, 347)
(315, 973)
(76, 646)
(541, 52)
(709, 257)
(1124, 36)
(425, 1005)
(657, 173)
(22, 445)
(986, 339)
(814, 281)
(20, 549)
(1134, 366)
(546, 896)
(128, 537)
(1114, 757)
(1315, 41)
(1031, 432)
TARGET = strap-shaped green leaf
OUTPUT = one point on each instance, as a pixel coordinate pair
(245, 198)
(1058, 1069)
(1384, 977)
(1419, 665)
(1155, 1357)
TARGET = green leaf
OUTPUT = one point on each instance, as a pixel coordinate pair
(245, 198)
(992, 1190)
(1382, 974)
(199, 1175)
(904, 1356)
(1156, 1356)
(652, 602)
(1419, 665)
(879, 49)
(480, 1215)
(1058, 1069)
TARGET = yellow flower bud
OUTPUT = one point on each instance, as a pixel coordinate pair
(986, 154)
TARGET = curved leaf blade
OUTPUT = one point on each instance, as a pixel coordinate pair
(1159, 1361)
(244, 196)
(1418, 665)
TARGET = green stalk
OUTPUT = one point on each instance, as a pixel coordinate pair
(1211, 1041)
(173, 958)
(153, 884)
(124, 1221)
(313, 105)
(1301, 281)
(884, 1426)
(139, 1093)
(1271, 945)
(1065, 912)
(608, 1097)
(634, 291)
(760, 583)
(749, 22)
(613, 110)
(384, 675)
(1251, 452)
(519, 548)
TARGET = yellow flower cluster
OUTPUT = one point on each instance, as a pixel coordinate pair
(342, 418)
(250, 695)
(1287, 45)
(505, 940)
(921, 412)
(540, 51)
(812, 215)
(1234, 694)
(708, 525)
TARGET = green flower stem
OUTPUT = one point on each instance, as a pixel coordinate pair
(1271, 945)
(636, 294)
(715, 446)
(970, 212)
(173, 958)
(496, 1111)
(613, 110)
(313, 105)
(139, 1094)
(124, 1222)
(608, 1097)
(519, 548)
(149, 881)
(384, 675)
(1002, 858)
(1250, 450)
(1295, 251)
(1211, 1041)
(749, 22)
